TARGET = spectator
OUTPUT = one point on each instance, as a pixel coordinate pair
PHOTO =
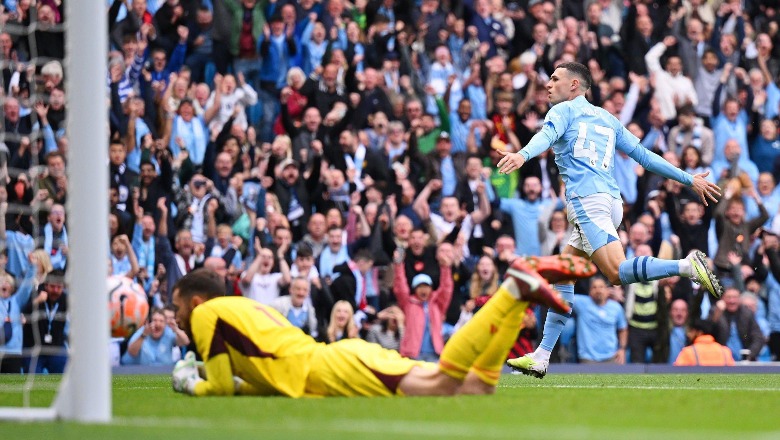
(704, 351)
(677, 336)
(334, 254)
(673, 89)
(357, 282)
(234, 92)
(389, 331)
(277, 49)
(524, 213)
(484, 281)
(294, 192)
(297, 307)
(690, 132)
(259, 282)
(55, 237)
(50, 326)
(341, 326)
(423, 307)
(123, 259)
(201, 43)
(733, 228)
(12, 300)
(764, 150)
(642, 304)
(316, 237)
(692, 225)
(225, 249)
(153, 343)
(602, 331)
(736, 326)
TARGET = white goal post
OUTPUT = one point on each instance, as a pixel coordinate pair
(85, 391)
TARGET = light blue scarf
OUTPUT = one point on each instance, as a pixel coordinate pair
(58, 260)
(328, 260)
(194, 135)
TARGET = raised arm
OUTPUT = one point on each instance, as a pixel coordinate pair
(443, 295)
(483, 210)
(284, 268)
(401, 284)
(131, 256)
(420, 205)
(249, 273)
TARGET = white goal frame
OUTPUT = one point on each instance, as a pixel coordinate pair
(84, 393)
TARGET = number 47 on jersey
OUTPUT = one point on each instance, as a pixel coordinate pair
(596, 145)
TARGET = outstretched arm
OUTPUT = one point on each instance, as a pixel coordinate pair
(630, 145)
(538, 144)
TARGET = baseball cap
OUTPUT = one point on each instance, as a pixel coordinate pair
(653, 194)
(287, 163)
(420, 279)
(533, 3)
(444, 135)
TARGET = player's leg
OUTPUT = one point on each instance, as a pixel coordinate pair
(536, 363)
(611, 260)
(598, 216)
(478, 350)
(486, 370)
(467, 344)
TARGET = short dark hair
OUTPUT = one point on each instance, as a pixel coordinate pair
(709, 51)
(364, 254)
(304, 251)
(580, 71)
(687, 110)
(52, 155)
(56, 276)
(203, 282)
(702, 325)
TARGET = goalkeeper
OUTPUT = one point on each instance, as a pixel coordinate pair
(251, 349)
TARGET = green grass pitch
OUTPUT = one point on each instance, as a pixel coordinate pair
(558, 407)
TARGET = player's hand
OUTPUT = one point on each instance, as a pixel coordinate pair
(185, 374)
(510, 162)
(705, 189)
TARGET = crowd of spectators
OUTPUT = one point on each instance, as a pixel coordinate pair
(337, 160)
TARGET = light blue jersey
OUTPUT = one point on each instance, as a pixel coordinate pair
(584, 139)
(597, 328)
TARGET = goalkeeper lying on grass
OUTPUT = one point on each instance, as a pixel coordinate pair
(251, 349)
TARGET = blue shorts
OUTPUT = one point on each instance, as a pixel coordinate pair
(595, 219)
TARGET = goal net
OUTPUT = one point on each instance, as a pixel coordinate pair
(53, 194)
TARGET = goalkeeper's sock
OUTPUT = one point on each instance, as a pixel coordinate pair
(467, 344)
(488, 365)
(555, 322)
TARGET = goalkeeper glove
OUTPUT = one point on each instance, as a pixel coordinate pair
(185, 375)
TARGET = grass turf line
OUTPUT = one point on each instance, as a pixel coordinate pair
(560, 406)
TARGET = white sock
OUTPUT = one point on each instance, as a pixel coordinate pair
(541, 354)
(511, 286)
(686, 269)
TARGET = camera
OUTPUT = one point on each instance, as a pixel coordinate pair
(147, 65)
